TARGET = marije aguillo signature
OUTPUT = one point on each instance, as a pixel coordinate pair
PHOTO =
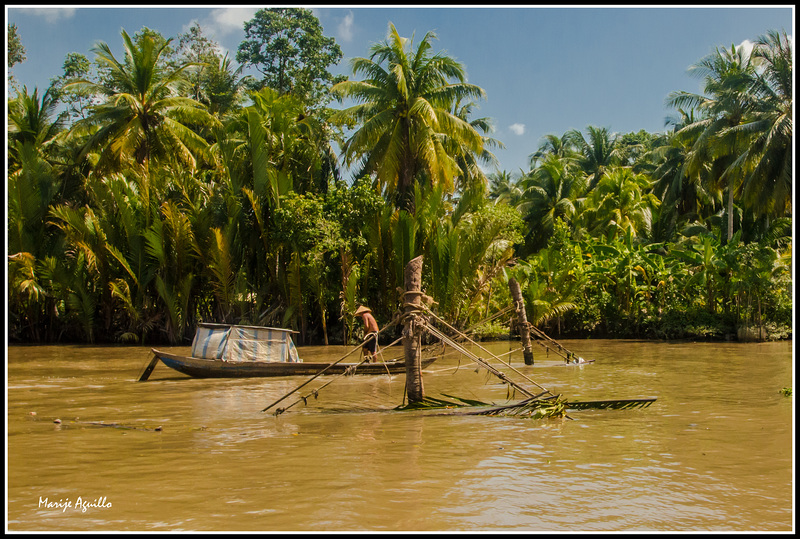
(80, 504)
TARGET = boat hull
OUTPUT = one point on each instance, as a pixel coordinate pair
(212, 368)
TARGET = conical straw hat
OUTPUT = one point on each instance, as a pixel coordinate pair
(362, 310)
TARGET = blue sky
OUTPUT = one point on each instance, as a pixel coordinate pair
(544, 70)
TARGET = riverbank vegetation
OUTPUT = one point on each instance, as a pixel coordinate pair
(151, 192)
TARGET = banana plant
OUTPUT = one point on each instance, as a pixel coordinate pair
(704, 257)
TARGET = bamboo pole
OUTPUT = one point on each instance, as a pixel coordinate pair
(412, 334)
(522, 320)
(480, 361)
(320, 373)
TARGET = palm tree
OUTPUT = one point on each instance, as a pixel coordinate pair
(142, 117)
(623, 203)
(472, 177)
(551, 191)
(551, 283)
(466, 249)
(668, 156)
(596, 154)
(288, 149)
(768, 158)
(85, 231)
(553, 145)
(717, 144)
(32, 182)
(30, 121)
(504, 188)
(683, 197)
(404, 114)
(170, 242)
(222, 86)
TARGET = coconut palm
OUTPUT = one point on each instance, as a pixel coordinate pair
(717, 145)
(768, 158)
(684, 197)
(31, 122)
(622, 203)
(472, 177)
(553, 145)
(551, 191)
(404, 115)
(596, 154)
(505, 188)
(142, 116)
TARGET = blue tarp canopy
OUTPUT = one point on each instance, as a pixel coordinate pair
(244, 343)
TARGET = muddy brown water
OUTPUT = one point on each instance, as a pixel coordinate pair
(713, 453)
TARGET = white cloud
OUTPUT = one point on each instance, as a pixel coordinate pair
(50, 15)
(747, 45)
(345, 28)
(517, 129)
(221, 22)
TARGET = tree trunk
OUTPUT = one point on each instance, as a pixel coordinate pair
(324, 325)
(345, 277)
(411, 333)
(522, 320)
(730, 212)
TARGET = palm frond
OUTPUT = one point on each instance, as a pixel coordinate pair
(534, 408)
(537, 407)
(617, 404)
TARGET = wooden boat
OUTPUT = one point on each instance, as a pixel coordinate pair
(230, 351)
(209, 368)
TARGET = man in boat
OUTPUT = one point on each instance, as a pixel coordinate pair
(370, 347)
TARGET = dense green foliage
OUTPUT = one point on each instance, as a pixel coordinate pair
(152, 192)
(287, 46)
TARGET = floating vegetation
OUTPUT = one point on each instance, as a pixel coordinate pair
(535, 407)
(428, 403)
(787, 391)
(619, 404)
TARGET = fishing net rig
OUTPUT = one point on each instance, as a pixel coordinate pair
(351, 370)
(536, 403)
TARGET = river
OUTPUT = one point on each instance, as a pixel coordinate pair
(713, 453)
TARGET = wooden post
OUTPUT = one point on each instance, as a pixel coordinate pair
(522, 320)
(148, 370)
(411, 334)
